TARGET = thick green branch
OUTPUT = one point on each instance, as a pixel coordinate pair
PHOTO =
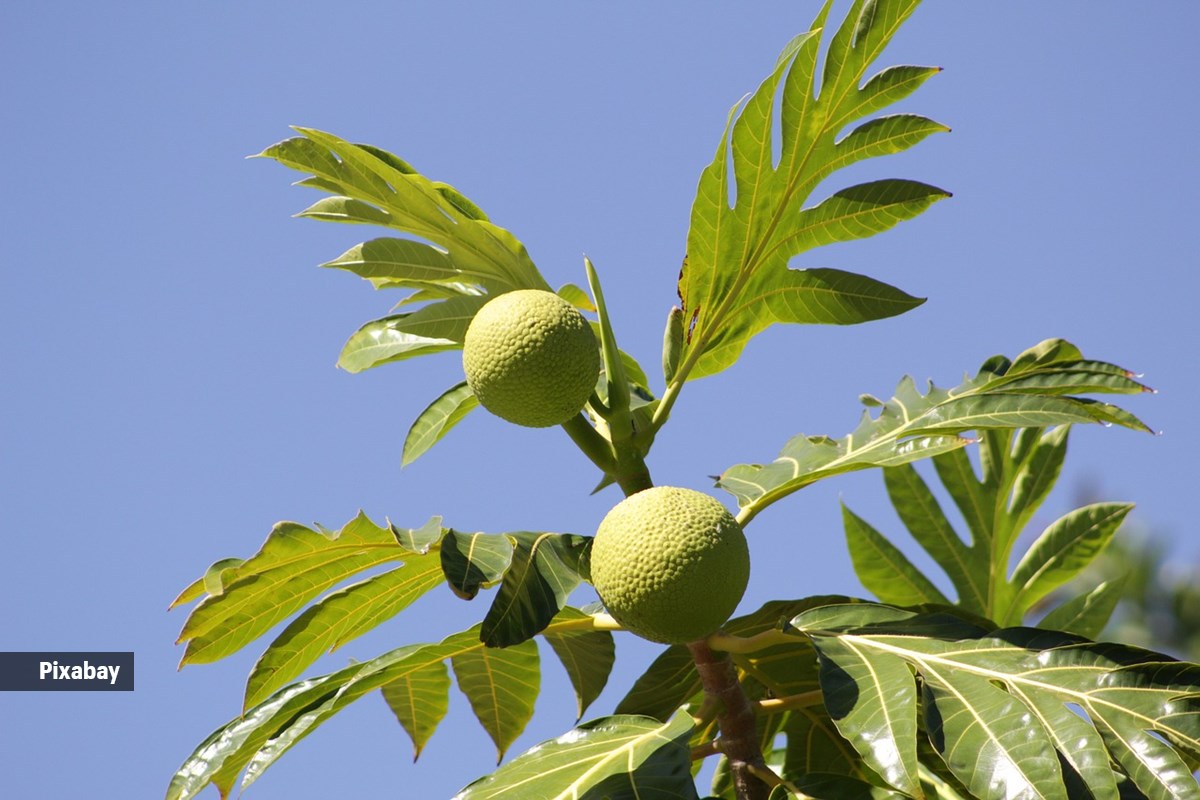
(594, 446)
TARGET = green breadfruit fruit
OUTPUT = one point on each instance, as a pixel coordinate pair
(531, 358)
(670, 564)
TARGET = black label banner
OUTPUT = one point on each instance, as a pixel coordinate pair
(66, 672)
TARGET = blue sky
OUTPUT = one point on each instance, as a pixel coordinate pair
(168, 344)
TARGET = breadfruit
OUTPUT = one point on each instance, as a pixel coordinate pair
(670, 564)
(531, 358)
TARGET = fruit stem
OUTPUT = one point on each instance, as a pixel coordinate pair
(632, 473)
(593, 445)
(630, 469)
(739, 737)
(749, 644)
(614, 371)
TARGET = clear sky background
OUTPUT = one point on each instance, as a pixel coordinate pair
(168, 345)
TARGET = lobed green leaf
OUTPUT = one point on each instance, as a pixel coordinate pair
(620, 758)
(736, 280)
(338, 618)
(294, 565)
(1063, 550)
(410, 202)
(997, 704)
(922, 515)
(496, 685)
(912, 426)
(872, 698)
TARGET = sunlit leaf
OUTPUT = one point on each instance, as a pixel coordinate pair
(872, 698)
(736, 280)
(397, 261)
(407, 201)
(419, 700)
(576, 297)
(383, 341)
(455, 245)
(912, 426)
(618, 758)
(338, 618)
(988, 738)
(501, 685)
(451, 407)
(252, 742)
(1068, 545)
(294, 565)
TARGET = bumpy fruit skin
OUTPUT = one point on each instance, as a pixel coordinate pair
(531, 358)
(670, 564)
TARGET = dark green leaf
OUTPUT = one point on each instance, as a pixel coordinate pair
(872, 699)
(820, 786)
(814, 745)
(666, 685)
(587, 655)
(1078, 743)
(471, 561)
(1087, 614)
(994, 701)
(1037, 473)
(671, 680)
(989, 739)
(975, 497)
(922, 515)
(1155, 768)
(543, 572)
(883, 569)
